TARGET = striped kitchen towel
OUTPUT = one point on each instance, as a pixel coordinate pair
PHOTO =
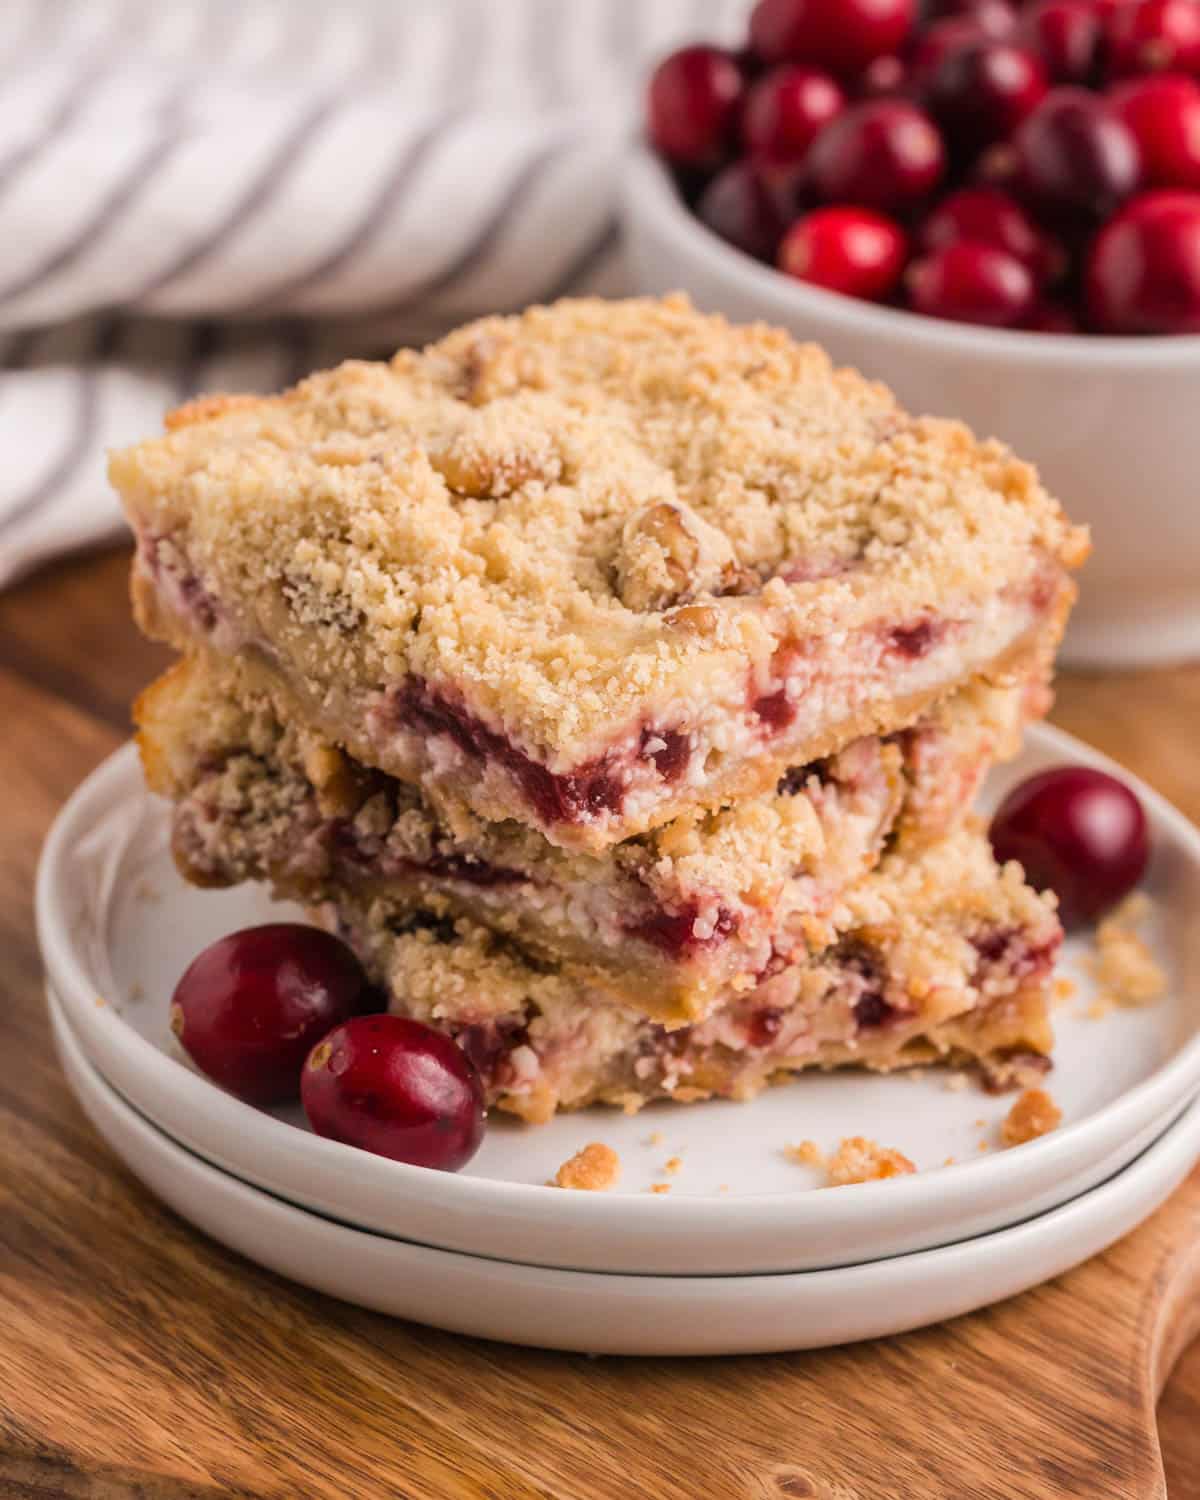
(223, 194)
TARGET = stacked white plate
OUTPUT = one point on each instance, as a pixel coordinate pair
(741, 1255)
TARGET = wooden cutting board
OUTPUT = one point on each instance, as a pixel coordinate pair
(137, 1359)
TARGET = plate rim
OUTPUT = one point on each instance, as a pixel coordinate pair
(1058, 1226)
(999, 1171)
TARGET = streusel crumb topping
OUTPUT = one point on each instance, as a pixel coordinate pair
(559, 512)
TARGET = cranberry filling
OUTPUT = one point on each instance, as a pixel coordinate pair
(1005, 947)
(776, 710)
(795, 779)
(488, 1043)
(578, 797)
(763, 1026)
(918, 639)
(673, 933)
(671, 761)
(871, 1011)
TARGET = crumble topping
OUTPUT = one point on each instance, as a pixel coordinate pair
(594, 1169)
(1033, 1114)
(600, 583)
(859, 1159)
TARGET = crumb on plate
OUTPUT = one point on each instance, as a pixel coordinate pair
(1034, 1113)
(593, 1169)
(660, 1187)
(956, 1082)
(859, 1159)
(1125, 971)
(806, 1154)
(655, 1138)
(673, 1165)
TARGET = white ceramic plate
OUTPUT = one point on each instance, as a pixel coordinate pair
(617, 1314)
(117, 927)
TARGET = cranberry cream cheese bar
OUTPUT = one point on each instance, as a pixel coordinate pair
(941, 957)
(664, 922)
(596, 567)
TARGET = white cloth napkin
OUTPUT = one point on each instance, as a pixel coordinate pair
(224, 194)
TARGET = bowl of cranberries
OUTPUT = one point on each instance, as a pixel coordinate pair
(992, 205)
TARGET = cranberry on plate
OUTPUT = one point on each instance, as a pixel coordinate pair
(1143, 271)
(993, 17)
(882, 153)
(787, 108)
(852, 250)
(249, 1009)
(842, 35)
(1163, 112)
(694, 98)
(969, 282)
(1078, 832)
(397, 1088)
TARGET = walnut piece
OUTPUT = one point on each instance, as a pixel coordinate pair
(859, 1159)
(1034, 1113)
(592, 1170)
(668, 555)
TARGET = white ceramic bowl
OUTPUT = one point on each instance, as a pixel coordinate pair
(118, 925)
(598, 1314)
(1110, 423)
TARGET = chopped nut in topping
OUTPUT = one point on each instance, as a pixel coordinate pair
(859, 1159)
(1033, 1114)
(668, 555)
(593, 1169)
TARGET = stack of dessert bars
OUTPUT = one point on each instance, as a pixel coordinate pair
(615, 681)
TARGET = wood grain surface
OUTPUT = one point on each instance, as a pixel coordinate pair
(138, 1359)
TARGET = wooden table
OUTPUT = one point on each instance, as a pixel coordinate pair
(137, 1358)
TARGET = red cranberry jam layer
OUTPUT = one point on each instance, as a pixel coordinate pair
(666, 920)
(597, 565)
(945, 957)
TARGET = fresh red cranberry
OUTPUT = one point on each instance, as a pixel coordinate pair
(1154, 36)
(883, 153)
(1075, 158)
(989, 217)
(993, 17)
(250, 1007)
(1051, 317)
(398, 1088)
(692, 105)
(787, 107)
(1066, 36)
(1078, 832)
(971, 283)
(980, 93)
(740, 206)
(1143, 272)
(1164, 115)
(940, 41)
(842, 35)
(850, 250)
(883, 78)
